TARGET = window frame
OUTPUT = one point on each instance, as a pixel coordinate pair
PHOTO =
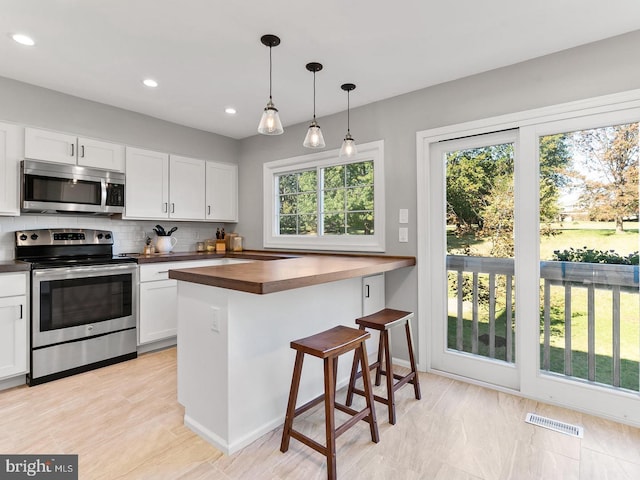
(356, 243)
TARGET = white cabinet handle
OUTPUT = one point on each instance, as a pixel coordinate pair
(82, 151)
(208, 209)
(173, 207)
(164, 208)
(73, 148)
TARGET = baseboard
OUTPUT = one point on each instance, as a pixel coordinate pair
(13, 382)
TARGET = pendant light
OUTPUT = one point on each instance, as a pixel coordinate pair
(270, 123)
(314, 138)
(348, 149)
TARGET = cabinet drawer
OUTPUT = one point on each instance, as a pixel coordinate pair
(160, 271)
(12, 284)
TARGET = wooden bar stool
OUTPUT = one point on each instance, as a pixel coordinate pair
(383, 321)
(329, 345)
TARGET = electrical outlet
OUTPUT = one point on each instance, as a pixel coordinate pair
(403, 216)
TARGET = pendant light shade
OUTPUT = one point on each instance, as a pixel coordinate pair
(314, 138)
(270, 123)
(348, 149)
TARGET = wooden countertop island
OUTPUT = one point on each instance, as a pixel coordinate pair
(270, 276)
(236, 322)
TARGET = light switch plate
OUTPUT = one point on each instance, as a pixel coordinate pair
(404, 215)
(403, 234)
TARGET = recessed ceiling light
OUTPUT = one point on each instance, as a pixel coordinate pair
(23, 39)
(150, 82)
(230, 111)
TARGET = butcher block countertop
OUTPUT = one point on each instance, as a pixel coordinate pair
(287, 271)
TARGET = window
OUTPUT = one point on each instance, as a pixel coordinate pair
(319, 201)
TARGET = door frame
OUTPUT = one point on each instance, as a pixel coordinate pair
(592, 399)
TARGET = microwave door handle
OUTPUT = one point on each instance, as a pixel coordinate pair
(103, 198)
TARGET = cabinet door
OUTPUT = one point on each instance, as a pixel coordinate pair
(373, 294)
(147, 184)
(158, 310)
(11, 152)
(13, 336)
(97, 154)
(186, 188)
(50, 146)
(222, 192)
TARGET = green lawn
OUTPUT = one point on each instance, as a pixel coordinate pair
(595, 235)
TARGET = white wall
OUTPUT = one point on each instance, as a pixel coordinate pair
(600, 68)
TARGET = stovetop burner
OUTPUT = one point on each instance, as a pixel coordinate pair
(60, 247)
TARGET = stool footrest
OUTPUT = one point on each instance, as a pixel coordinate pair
(309, 405)
(309, 442)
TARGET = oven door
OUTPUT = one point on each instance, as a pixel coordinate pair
(72, 303)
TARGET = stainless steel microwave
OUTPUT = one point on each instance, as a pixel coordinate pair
(60, 188)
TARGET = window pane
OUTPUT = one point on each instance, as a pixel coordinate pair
(334, 177)
(333, 200)
(589, 306)
(360, 173)
(308, 181)
(334, 224)
(307, 203)
(308, 224)
(288, 225)
(288, 183)
(288, 204)
(360, 198)
(360, 223)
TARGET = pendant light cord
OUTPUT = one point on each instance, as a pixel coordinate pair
(348, 111)
(270, 72)
(314, 96)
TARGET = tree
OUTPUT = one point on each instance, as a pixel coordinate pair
(609, 177)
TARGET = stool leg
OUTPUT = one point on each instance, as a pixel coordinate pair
(329, 406)
(412, 360)
(352, 380)
(291, 406)
(391, 399)
(368, 390)
(379, 359)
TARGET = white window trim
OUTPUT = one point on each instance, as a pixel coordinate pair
(357, 243)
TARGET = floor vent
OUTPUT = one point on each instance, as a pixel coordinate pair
(555, 425)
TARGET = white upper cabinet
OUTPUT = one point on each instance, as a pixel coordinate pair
(11, 152)
(186, 188)
(64, 148)
(161, 186)
(222, 192)
(147, 184)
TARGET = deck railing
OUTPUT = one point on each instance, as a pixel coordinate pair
(567, 275)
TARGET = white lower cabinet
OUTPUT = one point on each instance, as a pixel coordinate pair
(373, 299)
(158, 297)
(13, 324)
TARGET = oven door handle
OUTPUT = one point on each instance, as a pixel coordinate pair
(93, 270)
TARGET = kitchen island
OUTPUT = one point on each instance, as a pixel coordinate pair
(235, 324)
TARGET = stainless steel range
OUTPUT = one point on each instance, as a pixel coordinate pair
(83, 301)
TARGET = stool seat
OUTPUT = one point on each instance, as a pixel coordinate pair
(334, 341)
(383, 321)
(328, 346)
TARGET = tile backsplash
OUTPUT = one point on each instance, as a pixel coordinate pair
(129, 235)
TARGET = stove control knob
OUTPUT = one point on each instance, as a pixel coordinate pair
(34, 236)
(108, 236)
(23, 237)
(99, 236)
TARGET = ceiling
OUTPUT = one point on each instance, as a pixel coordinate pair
(206, 54)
